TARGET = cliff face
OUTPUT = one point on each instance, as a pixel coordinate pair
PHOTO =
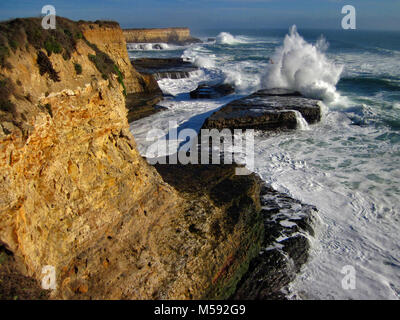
(75, 193)
(111, 40)
(165, 35)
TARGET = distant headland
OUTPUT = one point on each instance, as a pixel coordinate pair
(165, 35)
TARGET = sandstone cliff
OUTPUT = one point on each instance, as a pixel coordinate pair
(111, 40)
(75, 194)
(165, 35)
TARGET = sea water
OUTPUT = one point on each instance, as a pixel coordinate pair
(348, 165)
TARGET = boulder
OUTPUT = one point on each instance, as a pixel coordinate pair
(268, 109)
(205, 91)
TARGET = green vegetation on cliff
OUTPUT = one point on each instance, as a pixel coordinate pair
(18, 33)
(6, 88)
(22, 33)
(105, 64)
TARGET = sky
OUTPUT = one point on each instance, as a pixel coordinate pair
(217, 14)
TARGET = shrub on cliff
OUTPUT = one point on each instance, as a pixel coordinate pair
(45, 66)
(20, 33)
(105, 65)
(78, 68)
(51, 45)
(120, 78)
(6, 89)
(4, 53)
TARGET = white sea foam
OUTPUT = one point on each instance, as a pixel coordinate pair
(243, 75)
(303, 67)
(227, 38)
(301, 122)
(332, 166)
(349, 172)
(204, 62)
(151, 46)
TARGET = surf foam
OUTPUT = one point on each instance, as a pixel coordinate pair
(303, 67)
(227, 38)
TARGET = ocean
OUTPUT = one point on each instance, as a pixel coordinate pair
(348, 165)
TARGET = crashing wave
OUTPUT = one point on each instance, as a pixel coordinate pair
(149, 46)
(303, 67)
(227, 38)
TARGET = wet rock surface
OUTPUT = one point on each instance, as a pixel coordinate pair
(288, 224)
(272, 109)
(205, 91)
(160, 68)
(222, 222)
(142, 105)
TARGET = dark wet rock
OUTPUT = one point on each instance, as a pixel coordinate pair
(272, 109)
(192, 40)
(224, 210)
(160, 68)
(282, 92)
(14, 285)
(204, 91)
(142, 105)
(287, 223)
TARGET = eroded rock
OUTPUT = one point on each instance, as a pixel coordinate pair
(288, 224)
(160, 68)
(273, 109)
(205, 91)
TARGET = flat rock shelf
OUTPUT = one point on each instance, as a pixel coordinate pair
(205, 91)
(268, 109)
(161, 68)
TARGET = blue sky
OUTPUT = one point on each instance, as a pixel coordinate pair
(217, 14)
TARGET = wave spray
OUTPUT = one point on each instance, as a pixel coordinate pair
(303, 67)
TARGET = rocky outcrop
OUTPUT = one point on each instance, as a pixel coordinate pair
(110, 39)
(178, 36)
(141, 105)
(161, 68)
(273, 109)
(205, 91)
(288, 225)
(76, 194)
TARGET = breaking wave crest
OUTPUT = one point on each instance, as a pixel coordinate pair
(303, 67)
(227, 38)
